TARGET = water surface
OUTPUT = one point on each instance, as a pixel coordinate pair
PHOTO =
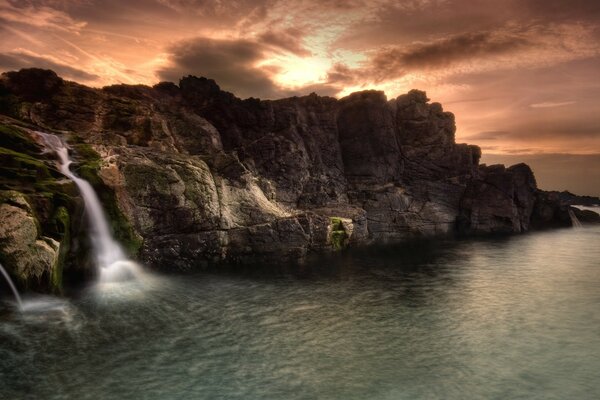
(508, 318)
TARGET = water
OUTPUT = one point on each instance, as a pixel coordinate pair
(13, 288)
(110, 258)
(509, 318)
(574, 220)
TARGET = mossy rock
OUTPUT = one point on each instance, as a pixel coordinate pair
(88, 167)
(338, 236)
(13, 138)
(62, 221)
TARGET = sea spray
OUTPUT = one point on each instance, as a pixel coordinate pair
(12, 287)
(112, 263)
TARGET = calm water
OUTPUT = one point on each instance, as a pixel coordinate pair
(510, 318)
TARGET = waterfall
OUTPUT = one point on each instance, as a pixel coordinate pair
(110, 259)
(574, 221)
(12, 287)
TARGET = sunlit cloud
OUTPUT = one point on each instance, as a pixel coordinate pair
(38, 15)
(511, 71)
(550, 104)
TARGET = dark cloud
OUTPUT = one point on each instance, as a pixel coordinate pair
(402, 23)
(392, 62)
(16, 60)
(232, 63)
(396, 61)
(560, 10)
(289, 40)
(341, 74)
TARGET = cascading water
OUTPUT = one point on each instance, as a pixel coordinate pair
(111, 261)
(574, 221)
(12, 287)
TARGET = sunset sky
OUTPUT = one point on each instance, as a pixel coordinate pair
(521, 76)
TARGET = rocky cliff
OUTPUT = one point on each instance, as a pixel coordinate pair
(193, 176)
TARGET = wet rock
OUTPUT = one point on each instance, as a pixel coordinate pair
(586, 216)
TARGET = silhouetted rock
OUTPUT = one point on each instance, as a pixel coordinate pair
(569, 198)
(499, 200)
(586, 216)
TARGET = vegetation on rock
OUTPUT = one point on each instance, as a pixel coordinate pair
(338, 235)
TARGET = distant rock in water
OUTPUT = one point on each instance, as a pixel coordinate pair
(569, 198)
(193, 176)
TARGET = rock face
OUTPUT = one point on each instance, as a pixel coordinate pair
(203, 177)
(501, 200)
(23, 247)
(32, 258)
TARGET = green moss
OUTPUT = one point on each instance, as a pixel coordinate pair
(21, 164)
(26, 172)
(16, 139)
(54, 200)
(121, 227)
(338, 236)
(86, 152)
(63, 226)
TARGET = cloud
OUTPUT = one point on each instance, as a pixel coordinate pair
(25, 59)
(404, 22)
(289, 40)
(581, 10)
(488, 135)
(507, 47)
(38, 14)
(232, 63)
(550, 104)
(341, 74)
(396, 61)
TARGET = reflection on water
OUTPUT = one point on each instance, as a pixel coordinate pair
(507, 318)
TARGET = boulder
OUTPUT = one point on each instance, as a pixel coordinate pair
(23, 251)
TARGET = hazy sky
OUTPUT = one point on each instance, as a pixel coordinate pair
(522, 76)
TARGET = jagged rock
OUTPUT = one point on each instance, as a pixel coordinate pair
(549, 211)
(204, 177)
(500, 200)
(569, 198)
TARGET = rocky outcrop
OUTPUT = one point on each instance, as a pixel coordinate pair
(31, 256)
(198, 177)
(501, 200)
(569, 198)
